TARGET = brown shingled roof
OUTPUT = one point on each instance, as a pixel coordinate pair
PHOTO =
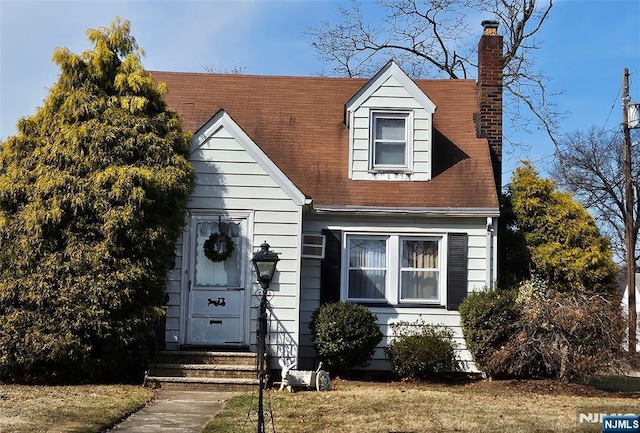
(299, 123)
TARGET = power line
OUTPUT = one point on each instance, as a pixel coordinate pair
(613, 105)
(603, 132)
(542, 158)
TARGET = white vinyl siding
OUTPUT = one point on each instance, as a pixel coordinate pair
(173, 292)
(428, 228)
(391, 97)
(309, 301)
(230, 182)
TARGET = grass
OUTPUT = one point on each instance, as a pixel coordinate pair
(351, 407)
(382, 407)
(78, 409)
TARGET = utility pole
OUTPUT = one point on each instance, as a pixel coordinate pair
(628, 214)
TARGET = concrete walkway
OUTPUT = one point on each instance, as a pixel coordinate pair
(175, 412)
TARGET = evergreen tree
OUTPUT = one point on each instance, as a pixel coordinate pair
(93, 193)
(514, 257)
(561, 237)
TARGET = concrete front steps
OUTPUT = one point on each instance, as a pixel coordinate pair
(198, 370)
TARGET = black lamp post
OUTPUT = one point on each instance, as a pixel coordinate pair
(264, 263)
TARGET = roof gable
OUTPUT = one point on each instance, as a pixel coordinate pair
(222, 120)
(390, 71)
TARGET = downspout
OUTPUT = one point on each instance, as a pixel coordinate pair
(491, 251)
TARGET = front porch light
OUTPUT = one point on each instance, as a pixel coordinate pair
(264, 263)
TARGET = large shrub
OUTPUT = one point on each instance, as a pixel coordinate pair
(550, 333)
(93, 193)
(345, 335)
(563, 335)
(553, 236)
(419, 350)
(489, 319)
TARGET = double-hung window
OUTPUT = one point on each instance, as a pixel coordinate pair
(367, 268)
(394, 269)
(390, 141)
(419, 270)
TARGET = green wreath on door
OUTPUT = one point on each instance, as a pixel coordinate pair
(219, 247)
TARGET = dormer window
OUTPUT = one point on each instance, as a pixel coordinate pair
(391, 144)
(390, 121)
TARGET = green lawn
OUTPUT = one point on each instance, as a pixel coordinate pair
(57, 409)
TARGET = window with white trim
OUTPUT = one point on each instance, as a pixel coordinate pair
(394, 269)
(391, 141)
(367, 268)
(419, 271)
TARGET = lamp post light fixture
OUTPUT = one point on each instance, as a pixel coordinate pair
(264, 263)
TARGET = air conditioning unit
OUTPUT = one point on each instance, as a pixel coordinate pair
(313, 246)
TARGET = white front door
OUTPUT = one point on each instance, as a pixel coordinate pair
(216, 306)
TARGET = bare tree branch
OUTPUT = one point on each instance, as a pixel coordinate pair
(233, 70)
(590, 164)
(434, 38)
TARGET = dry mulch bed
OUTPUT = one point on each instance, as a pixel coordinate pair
(524, 386)
(547, 387)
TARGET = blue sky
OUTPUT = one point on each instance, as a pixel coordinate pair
(587, 43)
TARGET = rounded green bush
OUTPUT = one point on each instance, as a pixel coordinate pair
(345, 335)
(489, 320)
(420, 350)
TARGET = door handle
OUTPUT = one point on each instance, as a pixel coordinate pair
(215, 322)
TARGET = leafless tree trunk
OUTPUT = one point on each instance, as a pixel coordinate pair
(435, 38)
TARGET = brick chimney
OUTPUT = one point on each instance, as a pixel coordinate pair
(489, 116)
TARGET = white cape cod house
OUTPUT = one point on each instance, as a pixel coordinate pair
(379, 191)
